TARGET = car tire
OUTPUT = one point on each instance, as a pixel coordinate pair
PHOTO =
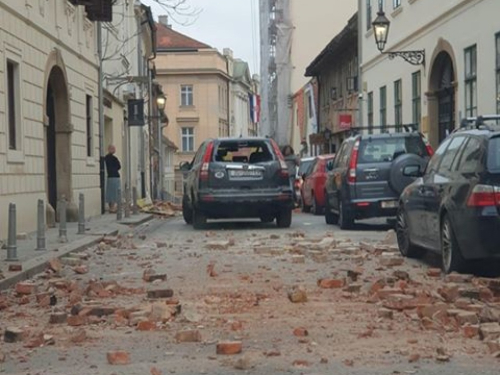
(453, 261)
(284, 218)
(315, 208)
(346, 221)
(330, 217)
(266, 219)
(199, 219)
(406, 247)
(187, 212)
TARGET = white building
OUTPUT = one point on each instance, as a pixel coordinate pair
(461, 74)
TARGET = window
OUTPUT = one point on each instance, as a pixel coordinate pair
(368, 14)
(398, 103)
(450, 155)
(89, 128)
(13, 104)
(497, 40)
(416, 98)
(187, 140)
(383, 106)
(251, 152)
(310, 105)
(370, 112)
(396, 3)
(438, 155)
(470, 81)
(494, 155)
(186, 95)
(379, 150)
(472, 156)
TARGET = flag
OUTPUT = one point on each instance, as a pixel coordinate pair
(254, 108)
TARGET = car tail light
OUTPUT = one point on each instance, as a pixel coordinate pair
(484, 196)
(428, 146)
(283, 167)
(351, 176)
(206, 162)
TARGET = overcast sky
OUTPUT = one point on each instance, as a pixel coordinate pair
(221, 24)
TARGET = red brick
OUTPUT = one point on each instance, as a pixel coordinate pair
(236, 326)
(55, 265)
(297, 295)
(118, 358)
(413, 357)
(331, 283)
(458, 278)
(471, 331)
(25, 287)
(300, 332)
(467, 317)
(391, 261)
(81, 270)
(486, 295)
(24, 300)
(229, 347)
(76, 320)
(15, 267)
(146, 325)
(58, 318)
(155, 371)
(449, 292)
(434, 272)
(188, 336)
(79, 336)
(160, 293)
(385, 313)
(301, 363)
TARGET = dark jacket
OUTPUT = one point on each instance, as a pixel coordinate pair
(112, 165)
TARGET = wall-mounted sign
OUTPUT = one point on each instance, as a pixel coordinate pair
(345, 122)
(135, 112)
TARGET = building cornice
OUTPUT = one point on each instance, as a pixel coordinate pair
(200, 72)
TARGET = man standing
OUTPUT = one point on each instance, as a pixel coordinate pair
(113, 183)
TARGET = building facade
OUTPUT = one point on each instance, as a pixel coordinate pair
(49, 145)
(336, 70)
(195, 79)
(461, 74)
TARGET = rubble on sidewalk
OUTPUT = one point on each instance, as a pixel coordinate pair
(161, 208)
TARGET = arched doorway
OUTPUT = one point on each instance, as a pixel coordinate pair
(58, 131)
(442, 96)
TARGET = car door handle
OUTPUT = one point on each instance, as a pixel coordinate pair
(371, 170)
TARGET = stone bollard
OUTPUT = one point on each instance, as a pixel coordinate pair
(119, 204)
(135, 208)
(12, 235)
(63, 231)
(81, 214)
(127, 202)
(40, 234)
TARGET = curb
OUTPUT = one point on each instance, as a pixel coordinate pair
(39, 264)
(130, 221)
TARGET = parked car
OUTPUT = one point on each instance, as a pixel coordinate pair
(313, 187)
(302, 170)
(366, 179)
(237, 178)
(453, 208)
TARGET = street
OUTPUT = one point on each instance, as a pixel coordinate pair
(359, 307)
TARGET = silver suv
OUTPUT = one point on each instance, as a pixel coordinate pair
(365, 180)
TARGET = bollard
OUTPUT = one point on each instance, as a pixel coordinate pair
(81, 214)
(135, 208)
(119, 205)
(40, 234)
(12, 239)
(63, 232)
(127, 202)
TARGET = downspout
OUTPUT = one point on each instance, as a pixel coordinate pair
(228, 98)
(360, 63)
(101, 119)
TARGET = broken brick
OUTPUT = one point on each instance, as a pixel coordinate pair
(493, 346)
(458, 278)
(353, 288)
(58, 318)
(118, 358)
(160, 293)
(413, 357)
(467, 317)
(449, 292)
(470, 331)
(192, 335)
(300, 332)
(218, 245)
(13, 334)
(146, 325)
(76, 320)
(434, 272)
(298, 259)
(489, 331)
(331, 283)
(385, 313)
(15, 267)
(25, 287)
(297, 295)
(391, 260)
(81, 270)
(155, 371)
(211, 270)
(229, 347)
(301, 363)
(78, 336)
(55, 265)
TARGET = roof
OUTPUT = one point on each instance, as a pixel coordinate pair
(347, 37)
(169, 39)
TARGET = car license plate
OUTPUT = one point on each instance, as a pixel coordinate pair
(389, 204)
(245, 174)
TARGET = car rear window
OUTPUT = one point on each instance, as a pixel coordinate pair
(378, 150)
(304, 166)
(494, 155)
(243, 152)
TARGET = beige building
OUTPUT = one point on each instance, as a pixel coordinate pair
(195, 79)
(459, 77)
(48, 109)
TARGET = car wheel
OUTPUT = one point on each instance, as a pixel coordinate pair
(199, 219)
(267, 219)
(330, 217)
(453, 260)
(187, 212)
(284, 218)
(406, 248)
(345, 218)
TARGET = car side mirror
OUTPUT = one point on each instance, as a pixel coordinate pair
(184, 166)
(413, 171)
(329, 166)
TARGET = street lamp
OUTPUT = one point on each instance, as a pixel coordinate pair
(161, 101)
(381, 27)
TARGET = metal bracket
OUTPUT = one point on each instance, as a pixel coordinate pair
(413, 57)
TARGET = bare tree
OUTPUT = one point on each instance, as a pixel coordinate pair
(180, 11)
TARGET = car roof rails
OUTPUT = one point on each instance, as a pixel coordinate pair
(478, 122)
(384, 129)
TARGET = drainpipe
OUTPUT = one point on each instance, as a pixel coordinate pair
(360, 63)
(101, 118)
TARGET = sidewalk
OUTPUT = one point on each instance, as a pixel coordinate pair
(34, 262)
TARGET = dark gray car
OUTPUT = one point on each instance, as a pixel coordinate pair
(365, 180)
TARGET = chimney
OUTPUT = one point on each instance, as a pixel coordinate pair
(163, 19)
(228, 52)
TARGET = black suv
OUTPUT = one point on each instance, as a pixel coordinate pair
(454, 208)
(237, 178)
(365, 180)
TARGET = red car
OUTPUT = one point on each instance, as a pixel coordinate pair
(313, 188)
